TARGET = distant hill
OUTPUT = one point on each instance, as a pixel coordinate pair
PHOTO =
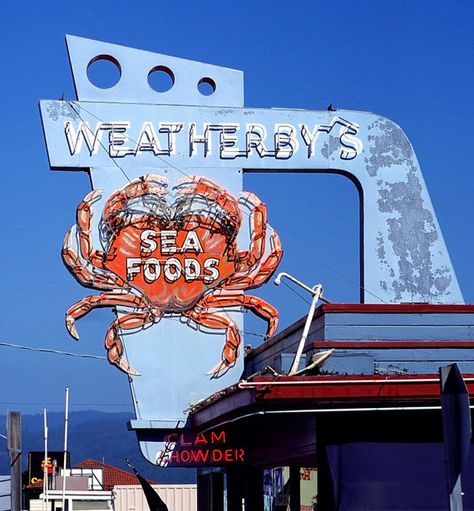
(98, 435)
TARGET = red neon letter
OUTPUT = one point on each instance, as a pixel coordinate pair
(216, 455)
(185, 455)
(200, 456)
(182, 440)
(218, 437)
(200, 439)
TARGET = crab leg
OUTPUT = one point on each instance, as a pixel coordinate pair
(84, 271)
(120, 298)
(83, 261)
(245, 280)
(211, 192)
(213, 223)
(150, 184)
(257, 305)
(114, 344)
(84, 215)
(258, 229)
(233, 338)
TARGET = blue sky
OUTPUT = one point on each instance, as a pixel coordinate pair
(409, 61)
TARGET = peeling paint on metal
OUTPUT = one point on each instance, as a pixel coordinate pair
(61, 109)
(225, 111)
(412, 233)
(380, 248)
(442, 279)
(330, 147)
(388, 147)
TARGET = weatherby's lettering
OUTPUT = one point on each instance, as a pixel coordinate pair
(226, 141)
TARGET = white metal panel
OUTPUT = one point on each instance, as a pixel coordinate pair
(177, 497)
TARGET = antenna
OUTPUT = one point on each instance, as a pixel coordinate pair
(45, 462)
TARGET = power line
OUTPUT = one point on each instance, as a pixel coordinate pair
(43, 403)
(296, 292)
(100, 142)
(330, 267)
(50, 350)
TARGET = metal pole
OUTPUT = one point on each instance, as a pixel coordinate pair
(45, 462)
(317, 292)
(66, 419)
(14, 450)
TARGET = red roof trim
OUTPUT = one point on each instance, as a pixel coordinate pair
(410, 308)
(325, 392)
(388, 344)
(416, 388)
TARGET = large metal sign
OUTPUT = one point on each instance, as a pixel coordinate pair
(172, 241)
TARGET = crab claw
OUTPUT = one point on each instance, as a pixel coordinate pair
(115, 350)
(85, 207)
(93, 196)
(124, 366)
(220, 369)
(71, 327)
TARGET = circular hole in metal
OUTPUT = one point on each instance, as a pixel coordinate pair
(104, 71)
(161, 78)
(206, 86)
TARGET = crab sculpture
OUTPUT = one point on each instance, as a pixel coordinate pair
(172, 254)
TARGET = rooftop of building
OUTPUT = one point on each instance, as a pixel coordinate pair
(111, 476)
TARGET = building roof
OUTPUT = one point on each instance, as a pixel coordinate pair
(382, 355)
(112, 476)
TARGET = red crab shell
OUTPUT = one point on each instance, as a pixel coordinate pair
(185, 282)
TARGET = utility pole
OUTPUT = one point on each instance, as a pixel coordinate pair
(14, 451)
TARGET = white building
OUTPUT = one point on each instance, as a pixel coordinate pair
(95, 486)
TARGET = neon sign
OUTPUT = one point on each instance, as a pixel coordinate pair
(186, 449)
(162, 256)
(232, 140)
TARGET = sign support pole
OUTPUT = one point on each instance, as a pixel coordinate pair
(14, 450)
